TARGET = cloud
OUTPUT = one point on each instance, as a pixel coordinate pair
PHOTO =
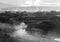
(41, 3)
(28, 3)
(14, 2)
(32, 2)
(50, 3)
(37, 2)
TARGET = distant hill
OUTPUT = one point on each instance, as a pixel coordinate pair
(4, 6)
(32, 9)
(10, 7)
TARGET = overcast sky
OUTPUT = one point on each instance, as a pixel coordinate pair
(32, 2)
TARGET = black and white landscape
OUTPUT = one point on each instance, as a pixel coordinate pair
(29, 21)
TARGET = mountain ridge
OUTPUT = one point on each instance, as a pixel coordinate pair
(32, 8)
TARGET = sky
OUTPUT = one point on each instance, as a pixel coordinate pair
(53, 3)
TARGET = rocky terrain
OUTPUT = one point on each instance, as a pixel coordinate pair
(29, 27)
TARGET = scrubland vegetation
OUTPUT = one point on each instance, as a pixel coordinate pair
(33, 19)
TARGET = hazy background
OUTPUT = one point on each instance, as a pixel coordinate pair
(34, 4)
